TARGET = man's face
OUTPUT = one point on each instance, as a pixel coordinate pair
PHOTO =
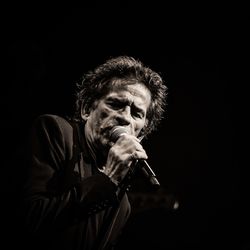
(124, 105)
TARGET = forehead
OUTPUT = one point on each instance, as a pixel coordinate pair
(137, 91)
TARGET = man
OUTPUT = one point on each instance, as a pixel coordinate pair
(75, 197)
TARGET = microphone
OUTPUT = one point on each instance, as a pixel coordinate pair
(118, 131)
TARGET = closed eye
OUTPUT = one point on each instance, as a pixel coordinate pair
(115, 104)
(138, 113)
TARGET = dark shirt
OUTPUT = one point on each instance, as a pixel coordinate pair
(68, 202)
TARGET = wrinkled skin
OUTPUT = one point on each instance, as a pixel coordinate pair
(125, 106)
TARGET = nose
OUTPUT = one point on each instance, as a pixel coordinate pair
(124, 116)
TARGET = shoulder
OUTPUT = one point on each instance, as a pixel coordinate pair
(56, 129)
(51, 119)
(53, 124)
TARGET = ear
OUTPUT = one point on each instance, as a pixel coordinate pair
(84, 113)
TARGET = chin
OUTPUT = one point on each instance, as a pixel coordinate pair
(104, 144)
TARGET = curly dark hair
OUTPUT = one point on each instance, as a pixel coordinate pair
(97, 83)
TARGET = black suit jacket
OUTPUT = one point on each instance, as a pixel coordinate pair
(68, 203)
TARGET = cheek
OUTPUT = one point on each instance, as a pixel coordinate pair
(139, 126)
(99, 115)
(104, 114)
(101, 119)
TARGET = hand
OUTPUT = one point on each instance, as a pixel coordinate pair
(121, 155)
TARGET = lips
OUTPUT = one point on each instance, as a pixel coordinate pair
(106, 131)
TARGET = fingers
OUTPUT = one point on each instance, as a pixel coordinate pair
(127, 152)
(129, 144)
(128, 137)
(121, 155)
(138, 155)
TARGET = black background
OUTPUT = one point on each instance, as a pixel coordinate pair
(196, 151)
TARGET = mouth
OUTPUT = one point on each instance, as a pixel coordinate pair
(106, 133)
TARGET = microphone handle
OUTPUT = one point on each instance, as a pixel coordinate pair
(146, 170)
(118, 131)
(149, 173)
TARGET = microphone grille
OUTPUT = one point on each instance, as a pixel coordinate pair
(116, 132)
